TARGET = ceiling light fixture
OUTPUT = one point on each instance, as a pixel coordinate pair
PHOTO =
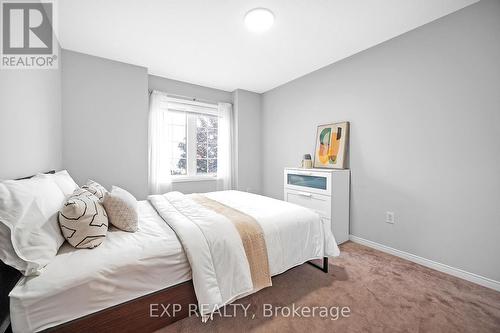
(259, 19)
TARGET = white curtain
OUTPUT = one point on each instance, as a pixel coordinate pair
(225, 154)
(159, 179)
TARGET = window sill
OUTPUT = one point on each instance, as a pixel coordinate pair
(182, 179)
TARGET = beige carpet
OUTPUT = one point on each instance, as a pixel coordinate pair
(384, 294)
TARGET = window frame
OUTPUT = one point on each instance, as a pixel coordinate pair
(192, 110)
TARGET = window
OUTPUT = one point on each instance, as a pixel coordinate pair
(206, 144)
(177, 130)
(192, 135)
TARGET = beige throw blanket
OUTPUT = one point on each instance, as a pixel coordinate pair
(251, 235)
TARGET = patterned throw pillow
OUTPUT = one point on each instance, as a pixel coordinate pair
(96, 189)
(83, 220)
(121, 207)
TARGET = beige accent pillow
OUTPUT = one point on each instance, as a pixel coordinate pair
(121, 207)
(96, 189)
(83, 220)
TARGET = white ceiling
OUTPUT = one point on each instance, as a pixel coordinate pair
(205, 41)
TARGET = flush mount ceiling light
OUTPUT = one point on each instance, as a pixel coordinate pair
(259, 19)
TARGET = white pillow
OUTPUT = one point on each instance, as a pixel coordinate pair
(96, 189)
(63, 180)
(121, 207)
(28, 214)
(7, 253)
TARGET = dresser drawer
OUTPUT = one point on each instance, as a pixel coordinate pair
(308, 181)
(317, 202)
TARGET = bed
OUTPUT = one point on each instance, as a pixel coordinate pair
(80, 282)
(114, 285)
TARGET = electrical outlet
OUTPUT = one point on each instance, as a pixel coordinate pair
(389, 217)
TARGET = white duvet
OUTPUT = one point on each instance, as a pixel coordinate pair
(220, 270)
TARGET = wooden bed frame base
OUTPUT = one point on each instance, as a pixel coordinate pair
(136, 315)
(144, 314)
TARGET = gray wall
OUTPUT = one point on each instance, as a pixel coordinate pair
(188, 89)
(107, 102)
(425, 137)
(105, 121)
(30, 122)
(247, 117)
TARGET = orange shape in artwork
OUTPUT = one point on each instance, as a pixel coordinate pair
(334, 148)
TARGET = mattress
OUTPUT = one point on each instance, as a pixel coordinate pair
(82, 281)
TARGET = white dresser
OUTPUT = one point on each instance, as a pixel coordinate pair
(325, 191)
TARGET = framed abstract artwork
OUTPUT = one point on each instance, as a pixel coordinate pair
(331, 146)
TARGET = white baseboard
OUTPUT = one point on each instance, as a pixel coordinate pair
(478, 279)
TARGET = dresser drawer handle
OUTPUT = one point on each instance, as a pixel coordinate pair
(304, 173)
(305, 194)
